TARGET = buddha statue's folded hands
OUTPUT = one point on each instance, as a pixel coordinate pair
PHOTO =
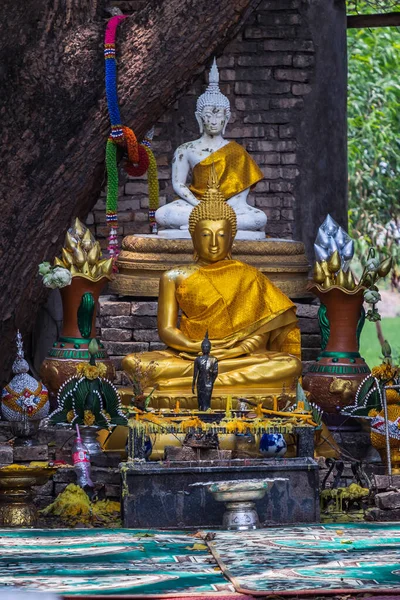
(251, 324)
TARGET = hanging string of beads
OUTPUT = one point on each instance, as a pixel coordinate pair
(140, 156)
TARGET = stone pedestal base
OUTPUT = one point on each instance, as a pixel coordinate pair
(160, 494)
(144, 258)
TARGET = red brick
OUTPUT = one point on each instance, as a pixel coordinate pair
(278, 18)
(253, 75)
(124, 348)
(281, 186)
(291, 75)
(286, 131)
(117, 321)
(245, 104)
(272, 145)
(147, 309)
(117, 308)
(288, 200)
(288, 158)
(262, 33)
(246, 132)
(268, 158)
(271, 172)
(116, 335)
(273, 214)
(136, 187)
(266, 60)
(277, 116)
(269, 202)
(287, 214)
(227, 75)
(301, 89)
(289, 45)
(146, 335)
(303, 60)
(262, 186)
(282, 229)
(286, 103)
(244, 88)
(289, 172)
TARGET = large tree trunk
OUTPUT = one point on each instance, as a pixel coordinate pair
(54, 120)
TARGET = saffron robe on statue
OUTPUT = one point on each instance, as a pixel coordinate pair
(236, 171)
(233, 299)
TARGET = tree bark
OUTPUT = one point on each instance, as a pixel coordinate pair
(55, 124)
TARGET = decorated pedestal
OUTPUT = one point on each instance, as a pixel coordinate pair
(79, 301)
(144, 258)
(338, 371)
(16, 495)
(81, 258)
(239, 498)
(24, 401)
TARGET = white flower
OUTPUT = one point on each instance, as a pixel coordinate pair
(62, 277)
(57, 278)
(44, 268)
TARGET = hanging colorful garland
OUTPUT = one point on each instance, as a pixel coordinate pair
(140, 156)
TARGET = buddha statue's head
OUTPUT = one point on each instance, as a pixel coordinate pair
(212, 224)
(213, 109)
(206, 344)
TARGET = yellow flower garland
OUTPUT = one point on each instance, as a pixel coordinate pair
(91, 371)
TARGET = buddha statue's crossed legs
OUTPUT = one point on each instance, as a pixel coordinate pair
(264, 369)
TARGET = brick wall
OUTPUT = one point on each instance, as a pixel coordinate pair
(266, 72)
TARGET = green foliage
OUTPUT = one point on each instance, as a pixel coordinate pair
(370, 348)
(374, 136)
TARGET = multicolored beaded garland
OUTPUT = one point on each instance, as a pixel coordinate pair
(140, 156)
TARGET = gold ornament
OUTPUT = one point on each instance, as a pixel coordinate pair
(252, 325)
(318, 273)
(334, 262)
(212, 206)
(340, 279)
(350, 283)
(81, 254)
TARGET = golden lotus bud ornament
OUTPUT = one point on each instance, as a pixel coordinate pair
(81, 256)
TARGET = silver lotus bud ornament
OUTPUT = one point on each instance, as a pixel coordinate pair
(330, 226)
(331, 238)
(320, 253)
(322, 238)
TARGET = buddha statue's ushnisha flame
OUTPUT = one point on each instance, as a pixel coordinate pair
(81, 254)
(212, 206)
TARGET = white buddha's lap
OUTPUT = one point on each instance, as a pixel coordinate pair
(175, 215)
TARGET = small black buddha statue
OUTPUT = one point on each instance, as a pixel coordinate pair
(204, 374)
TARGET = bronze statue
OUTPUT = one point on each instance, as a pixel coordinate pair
(204, 374)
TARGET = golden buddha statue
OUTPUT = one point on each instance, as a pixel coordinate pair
(251, 324)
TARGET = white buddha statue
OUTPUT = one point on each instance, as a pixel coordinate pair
(236, 170)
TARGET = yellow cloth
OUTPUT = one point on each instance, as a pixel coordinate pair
(230, 298)
(236, 171)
